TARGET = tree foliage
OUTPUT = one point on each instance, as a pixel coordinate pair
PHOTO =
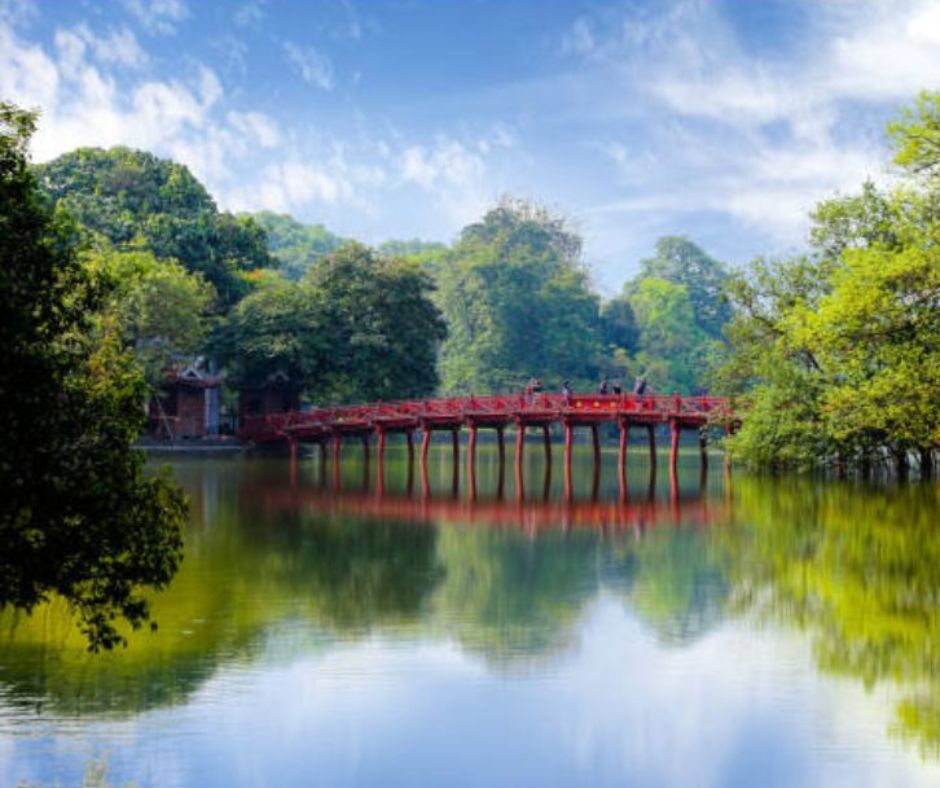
(160, 309)
(296, 246)
(135, 199)
(78, 517)
(839, 350)
(357, 327)
(667, 323)
(517, 303)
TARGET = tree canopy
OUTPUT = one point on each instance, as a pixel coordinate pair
(517, 303)
(135, 199)
(295, 245)
(838, 350)
(78, 516)
(358, 327)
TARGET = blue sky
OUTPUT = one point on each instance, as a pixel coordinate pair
(723, 120)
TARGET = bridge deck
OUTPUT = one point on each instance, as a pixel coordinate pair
(490, 411)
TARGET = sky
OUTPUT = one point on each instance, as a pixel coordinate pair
(721, 120)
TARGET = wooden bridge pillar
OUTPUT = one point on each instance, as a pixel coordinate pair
(568, 441)
(622, 458)
(703, 449)
(596, 441)
(472, 462)
(292, 448)
(337, 447)
(323, 454)
(366, 440)
(501, 443)
(651, 437)
(425, 445)
(547, 443)
(455, 445)
(674, 429)
(517, 461)
(380, 447)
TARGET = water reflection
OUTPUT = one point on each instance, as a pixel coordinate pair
(281, 563)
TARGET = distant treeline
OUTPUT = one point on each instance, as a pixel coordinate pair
(509, 300)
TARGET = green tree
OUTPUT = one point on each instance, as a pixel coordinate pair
(386, 330)
(282, 327)
(136, 199)
(517, 303)
(295, 245)
(160, 308)
(357, 328)
(673, 348)
(681, 262)
(838, 349)
(78, 518)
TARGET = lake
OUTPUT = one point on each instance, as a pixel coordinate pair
(725, 631)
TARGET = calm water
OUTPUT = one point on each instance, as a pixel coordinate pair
(762, 632)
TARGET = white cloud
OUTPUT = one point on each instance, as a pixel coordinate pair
(120, 47)
(313, 66)
(743, 132)
(249, 14)
(448, 162)
(158, 16)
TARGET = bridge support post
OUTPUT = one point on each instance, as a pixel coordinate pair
(337, 446)
(547, 443)
(596, 441)
(674, 429)
(703, 449)
(292, 448)
(323, 462)
(425, 444)
(455, 453)
(500, 485)
(409, 438)
(651, 437)
(568, 441)
(622, 458)
(380, 447)
(366, 475)
(472, 462)
(517, 461)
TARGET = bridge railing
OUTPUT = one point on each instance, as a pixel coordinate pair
(274, 425)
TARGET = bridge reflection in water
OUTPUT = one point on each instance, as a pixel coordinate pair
(413, 499)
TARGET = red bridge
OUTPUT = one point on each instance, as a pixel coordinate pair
(323, 425)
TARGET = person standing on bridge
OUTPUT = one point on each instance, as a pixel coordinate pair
(639, 387)
(602, 388)
(617, 388)
(566, 391)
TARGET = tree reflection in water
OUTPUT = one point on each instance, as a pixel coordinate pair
(273, 568)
